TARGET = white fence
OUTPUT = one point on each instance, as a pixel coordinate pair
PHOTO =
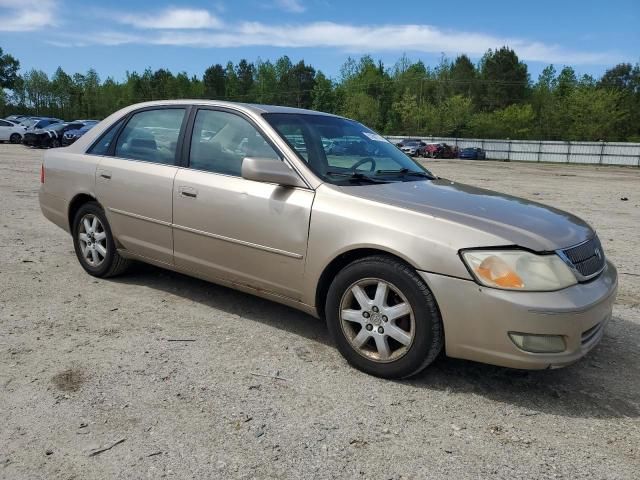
(599, 153)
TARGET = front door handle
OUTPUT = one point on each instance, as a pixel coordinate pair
(188, 192)
(105, 174)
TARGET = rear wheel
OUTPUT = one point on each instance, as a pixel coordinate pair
(384, 318)
(15, 138)
(94, 244)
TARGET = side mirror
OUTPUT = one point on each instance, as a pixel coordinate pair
(270, 171)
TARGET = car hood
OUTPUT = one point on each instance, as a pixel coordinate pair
(518, 221)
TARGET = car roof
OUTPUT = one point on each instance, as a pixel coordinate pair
(253, 107)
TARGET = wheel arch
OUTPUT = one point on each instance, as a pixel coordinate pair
(340, 261)
(75, 204)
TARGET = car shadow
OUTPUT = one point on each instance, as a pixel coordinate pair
(603, 384)
(228, 300)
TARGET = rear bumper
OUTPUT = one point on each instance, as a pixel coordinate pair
(477, 320)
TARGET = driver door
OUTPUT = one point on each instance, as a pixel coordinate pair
(224, 226)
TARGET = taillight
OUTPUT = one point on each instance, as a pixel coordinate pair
(42, 173)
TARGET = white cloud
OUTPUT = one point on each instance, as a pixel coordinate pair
(372, 39)
(26, 15)
(172, 18)
(294, 6)
(350, 38)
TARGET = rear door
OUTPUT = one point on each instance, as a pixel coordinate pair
(6, 129)
(134, 180)
(247, 232)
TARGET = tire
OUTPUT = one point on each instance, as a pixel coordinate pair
(15, 138)
(109, 263)
(422, 326)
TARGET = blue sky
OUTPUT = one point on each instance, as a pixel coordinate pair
(116, 36)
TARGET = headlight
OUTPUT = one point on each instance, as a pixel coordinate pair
(518, 270)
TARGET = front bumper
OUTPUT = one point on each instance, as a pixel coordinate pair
(477, 319)
(36, 140)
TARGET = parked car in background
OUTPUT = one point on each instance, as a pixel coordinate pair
(438, 150)
(472, 153)
(15, 118)
(401, 264)
(11, 132)
(49, 137)
(26, 122)
(404, 141)
(412, 148)
(70, 136)
(343, 146)
(42, 123)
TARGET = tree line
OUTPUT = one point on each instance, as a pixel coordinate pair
(494, 98)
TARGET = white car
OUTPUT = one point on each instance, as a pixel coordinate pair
(11, 132)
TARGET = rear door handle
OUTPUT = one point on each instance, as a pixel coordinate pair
(105, 174)
(188, 192)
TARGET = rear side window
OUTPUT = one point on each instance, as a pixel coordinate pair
(151, 136)
(101, 147)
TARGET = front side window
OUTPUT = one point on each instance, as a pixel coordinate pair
(221, 140)
(340, 151)
(151, 136)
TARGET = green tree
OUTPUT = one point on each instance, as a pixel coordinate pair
(464, 78)
(245, 72)
(232, 85)
(266, 83)
(37, 89)
(323, 94)
(214, 81)
(596, 114)
(504, 79)
(456, 113)
(405, 110)
(9, 67)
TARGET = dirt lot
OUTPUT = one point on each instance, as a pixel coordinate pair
(85, 363)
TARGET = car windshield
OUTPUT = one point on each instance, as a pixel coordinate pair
(344, 152)
(57, 126)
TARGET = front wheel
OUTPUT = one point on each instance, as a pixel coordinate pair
(94, 244)
(15, 138)
(383, 317)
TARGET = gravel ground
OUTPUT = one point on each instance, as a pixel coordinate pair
(85, 363)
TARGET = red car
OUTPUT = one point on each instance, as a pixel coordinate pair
(438, 150)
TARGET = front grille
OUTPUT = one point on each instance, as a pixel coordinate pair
(587, 258)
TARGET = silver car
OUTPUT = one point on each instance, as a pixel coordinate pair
(401, 264)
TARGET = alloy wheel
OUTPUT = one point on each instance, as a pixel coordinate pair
(377, 320)
(93, 240)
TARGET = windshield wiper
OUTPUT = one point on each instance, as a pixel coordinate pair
(405, 171)
(355, 176)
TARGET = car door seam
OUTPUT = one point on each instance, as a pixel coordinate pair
(139, 217)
